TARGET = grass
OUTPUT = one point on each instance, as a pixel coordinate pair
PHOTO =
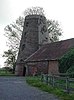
(6, 73)
(36, 82)
(72, 85)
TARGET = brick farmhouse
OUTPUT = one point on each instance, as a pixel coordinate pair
(46, 58)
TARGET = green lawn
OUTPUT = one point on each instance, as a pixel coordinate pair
(36, 82)
(5, 73)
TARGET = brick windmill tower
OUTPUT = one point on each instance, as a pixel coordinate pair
(34, 35)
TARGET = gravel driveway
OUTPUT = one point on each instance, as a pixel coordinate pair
(15, 88)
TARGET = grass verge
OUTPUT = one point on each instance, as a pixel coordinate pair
(35, 81)
(7, 74)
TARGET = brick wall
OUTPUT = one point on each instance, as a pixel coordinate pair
(53, 67)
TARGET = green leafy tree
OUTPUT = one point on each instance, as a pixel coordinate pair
(66, 62)
(10, 59)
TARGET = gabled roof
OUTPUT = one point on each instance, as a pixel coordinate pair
(52, 51)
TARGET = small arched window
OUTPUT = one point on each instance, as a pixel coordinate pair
(23, 46)
(46, 38)
(21, 60)
(27, 24)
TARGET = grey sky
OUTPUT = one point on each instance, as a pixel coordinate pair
(4, 11)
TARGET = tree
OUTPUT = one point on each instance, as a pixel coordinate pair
(11, 59)
(66, 62)
(54, 30)
(34, 11)
(14, 31)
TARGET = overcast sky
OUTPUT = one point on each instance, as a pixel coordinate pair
(61, 10)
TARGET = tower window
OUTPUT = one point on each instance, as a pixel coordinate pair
(25, 33)
(21, 60)
(27, 24)
(46, 38)
(23, 46)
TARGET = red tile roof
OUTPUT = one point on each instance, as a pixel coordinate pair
(52, 51)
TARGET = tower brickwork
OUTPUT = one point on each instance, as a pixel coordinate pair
(34, 35)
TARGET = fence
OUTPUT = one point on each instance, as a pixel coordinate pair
(61, 80)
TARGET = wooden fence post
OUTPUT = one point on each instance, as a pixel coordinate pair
(51, 79)
(53, 82)
(67, 84)
(46, 79)
(42, 78)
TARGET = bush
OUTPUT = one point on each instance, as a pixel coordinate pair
(66, 61)
(71, 71)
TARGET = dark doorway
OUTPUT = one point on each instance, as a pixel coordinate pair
(24, 71)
